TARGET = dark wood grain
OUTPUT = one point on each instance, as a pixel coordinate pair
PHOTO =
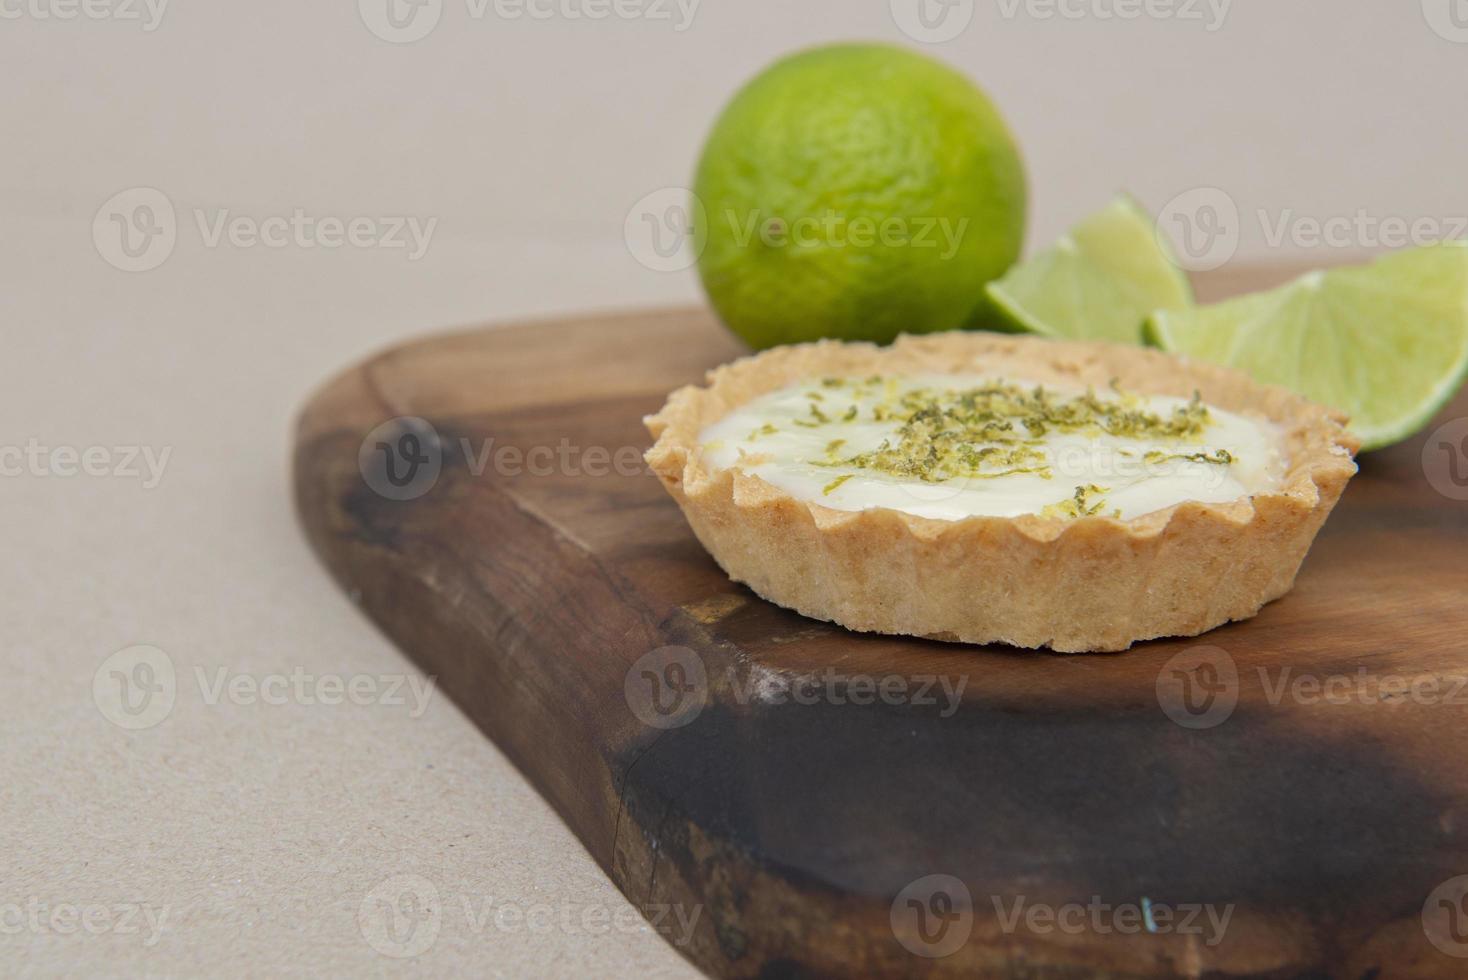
(535, 594)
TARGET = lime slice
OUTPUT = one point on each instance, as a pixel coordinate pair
(1099, 282)
(1386, 342)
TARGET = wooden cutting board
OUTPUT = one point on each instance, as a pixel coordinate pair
(1286, 797)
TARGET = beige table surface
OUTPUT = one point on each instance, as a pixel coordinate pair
(240, 834)
(258, 829)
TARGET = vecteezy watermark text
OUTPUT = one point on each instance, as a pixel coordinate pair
(937, 21)
(306, 231)
(1199, 687)
(661, 230)
(304, 687)
(406, 21)
(1104, 918)
(1205, 226)
(147, 13)
(1363, 687)
(1210, 14)
(933, 917)
(403, 916)
(1361, 229)
(137, 687)
(668, 687)
(34, 458)
(38, 916)
(136, 230)
(402, 458)
(837, 231)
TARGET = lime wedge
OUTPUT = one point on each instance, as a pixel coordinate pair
(1386, 342)
(1099, 282)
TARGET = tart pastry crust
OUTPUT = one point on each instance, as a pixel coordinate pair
(1073, 585)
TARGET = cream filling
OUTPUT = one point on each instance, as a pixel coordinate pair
(804, 439)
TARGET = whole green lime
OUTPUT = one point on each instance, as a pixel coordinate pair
(856, 191)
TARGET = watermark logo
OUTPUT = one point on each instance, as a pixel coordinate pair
(1448, 19)
(660, 229)
(135, 230)
(1445, 917)
(1445, 459)
(401, 459)
(667, 688)
(1199, 688)
(147, 13)
(1201, 227)
(932, 21)
(933, 916)
(401, 917)
(136, 687)
(400, 21)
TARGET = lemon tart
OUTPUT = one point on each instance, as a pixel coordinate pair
(991, 489)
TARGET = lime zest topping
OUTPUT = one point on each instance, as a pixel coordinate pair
(1221, 457)
(994, 430)
(828, 488)
(1080, 505)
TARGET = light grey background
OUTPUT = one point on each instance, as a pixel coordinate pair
(529, 141)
